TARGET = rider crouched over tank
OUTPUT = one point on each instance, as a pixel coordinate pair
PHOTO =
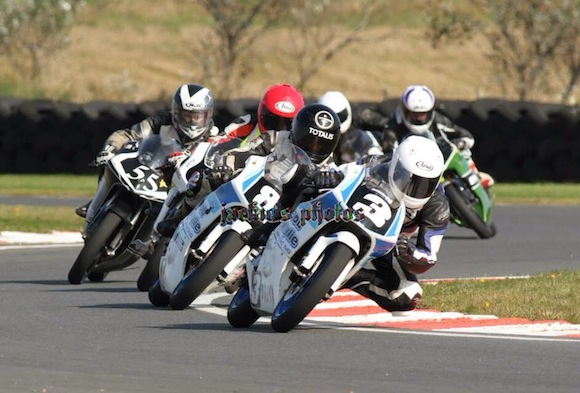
(391, 280)
(416, 115)
(316, 130)
(189, 122)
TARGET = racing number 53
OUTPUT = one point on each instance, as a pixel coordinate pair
(141, 172)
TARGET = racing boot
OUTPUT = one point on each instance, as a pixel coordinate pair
(81, 211)
(166, 228)
(258, 236)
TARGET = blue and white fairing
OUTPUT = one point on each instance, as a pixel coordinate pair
(352, 202)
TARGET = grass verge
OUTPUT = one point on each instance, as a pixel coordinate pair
(547, 296)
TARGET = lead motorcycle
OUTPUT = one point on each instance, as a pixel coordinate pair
(207, 247)
(322, 244)
(131, 188)
(469, 202)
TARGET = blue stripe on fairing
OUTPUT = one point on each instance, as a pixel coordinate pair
(226, 193)
(395, 227)
(250, 180)
(347, 192)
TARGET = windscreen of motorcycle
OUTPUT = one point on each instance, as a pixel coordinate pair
(153, 151)
(219, 149)
(283, 162)
(378, 179)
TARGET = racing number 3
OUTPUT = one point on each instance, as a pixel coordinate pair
(378, 210)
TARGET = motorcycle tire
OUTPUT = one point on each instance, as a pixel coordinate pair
(93, 247)
(150, 272)
(157, 297)
(97, 276)
(468, 214)
(201, 276)
(300, 300)
(241, 315)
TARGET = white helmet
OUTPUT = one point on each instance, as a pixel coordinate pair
(336, 101)
(415, 170)
(416, 108)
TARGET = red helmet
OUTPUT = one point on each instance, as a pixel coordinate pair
(278, 107)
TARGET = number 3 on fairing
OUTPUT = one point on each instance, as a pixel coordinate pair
(267, 198)
(378, 210)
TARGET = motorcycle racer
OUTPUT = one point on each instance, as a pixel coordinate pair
(189, 122)
(392, 282)
(277, 108)
(416, 115)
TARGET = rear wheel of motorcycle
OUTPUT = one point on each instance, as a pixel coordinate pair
(150, 272)
(201, 276)
(468, 214)
(301, 298)
(156, 295)
(241, 315)
(93, 247)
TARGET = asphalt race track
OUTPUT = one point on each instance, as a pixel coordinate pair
(106, 337)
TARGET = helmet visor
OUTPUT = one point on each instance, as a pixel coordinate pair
(270, 121)
(343, 115)
(191, 119)
(418, 118)
(318, 149)
(412, 185)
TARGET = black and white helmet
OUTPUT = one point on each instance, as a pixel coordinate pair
(340, 104)
(316, 130)
(192, 111)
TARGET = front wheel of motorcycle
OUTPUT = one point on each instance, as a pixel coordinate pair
(201, 276)
(156, 295)
(302, 297)
(241, 315)
(468, 214)
(150, 272)
(93, 247)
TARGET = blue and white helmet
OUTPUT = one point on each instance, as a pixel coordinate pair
(192, 111)
(416, 108)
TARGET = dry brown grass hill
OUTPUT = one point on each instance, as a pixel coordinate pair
(138, 50)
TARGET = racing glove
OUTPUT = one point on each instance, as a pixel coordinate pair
(177, 157)
(411, 259)
(327, 179)
(105, 155)
(219, 175)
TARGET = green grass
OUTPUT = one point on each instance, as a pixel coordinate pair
(58, 186)
(548, 296)
(39, 219)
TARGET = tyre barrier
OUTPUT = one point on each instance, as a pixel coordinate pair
(515, 141)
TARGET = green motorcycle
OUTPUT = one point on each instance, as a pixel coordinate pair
(469, 202)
